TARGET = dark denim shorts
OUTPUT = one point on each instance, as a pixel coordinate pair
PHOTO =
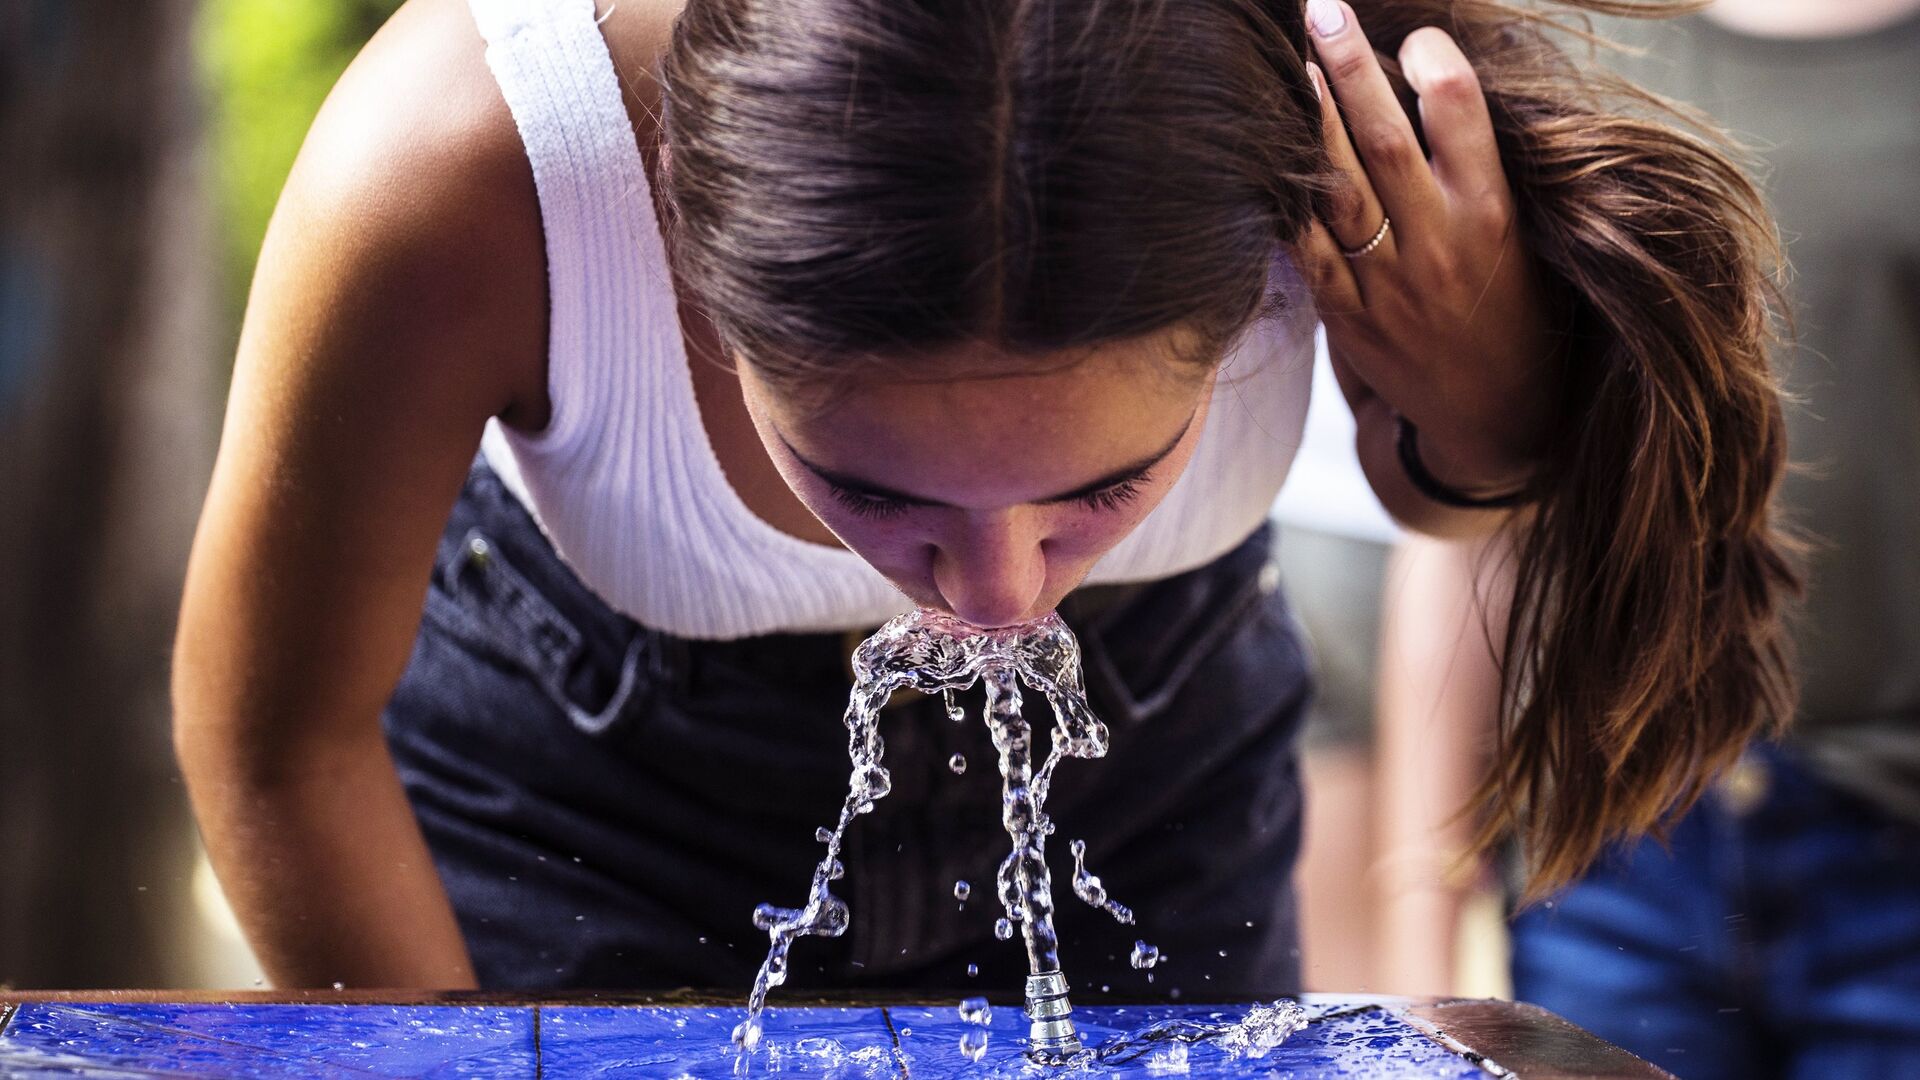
(606, 803)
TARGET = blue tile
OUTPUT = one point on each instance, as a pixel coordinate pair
(244, 1041)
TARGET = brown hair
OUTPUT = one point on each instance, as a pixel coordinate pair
(857, 181)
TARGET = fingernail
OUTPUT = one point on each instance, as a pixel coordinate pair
(1326, 17)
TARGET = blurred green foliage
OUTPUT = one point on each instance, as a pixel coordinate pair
(268, 65)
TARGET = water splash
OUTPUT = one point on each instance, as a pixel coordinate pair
(1088, 888)
(1255, 1035)
(935, 653)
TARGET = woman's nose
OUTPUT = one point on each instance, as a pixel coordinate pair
(992, 572)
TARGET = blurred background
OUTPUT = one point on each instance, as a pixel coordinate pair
(142, 146)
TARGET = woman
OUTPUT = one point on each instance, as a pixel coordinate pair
(974, 303)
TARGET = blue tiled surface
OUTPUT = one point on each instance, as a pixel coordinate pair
(592, 1041)
(681, 1043)
(245, 1041)
(1340, 1040)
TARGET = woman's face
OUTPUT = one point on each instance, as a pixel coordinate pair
(991, 498)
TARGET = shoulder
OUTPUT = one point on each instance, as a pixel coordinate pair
(411, 208)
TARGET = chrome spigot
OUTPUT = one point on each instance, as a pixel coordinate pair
(1050, 1030)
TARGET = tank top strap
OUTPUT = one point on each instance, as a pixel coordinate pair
(605, 258)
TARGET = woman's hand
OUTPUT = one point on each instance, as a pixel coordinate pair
(1443, 319)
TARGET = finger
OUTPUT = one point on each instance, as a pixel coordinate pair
(1316, 254)
(1356, 215)
(1453, 112)
(1382, 134)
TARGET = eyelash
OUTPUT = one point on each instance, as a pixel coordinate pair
(873, 508)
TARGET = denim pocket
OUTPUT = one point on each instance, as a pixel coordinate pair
(481, 599)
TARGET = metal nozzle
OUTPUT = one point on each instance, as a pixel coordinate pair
(1050, 1029)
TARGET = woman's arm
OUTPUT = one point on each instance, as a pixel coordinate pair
(398, 303)
(1438, 696)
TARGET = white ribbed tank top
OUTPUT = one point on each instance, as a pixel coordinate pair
(624, 481)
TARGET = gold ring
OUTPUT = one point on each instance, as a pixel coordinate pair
(1378, 238)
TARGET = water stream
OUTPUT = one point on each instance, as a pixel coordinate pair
(934, 653)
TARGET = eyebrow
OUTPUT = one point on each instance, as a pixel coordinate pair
(875, 491)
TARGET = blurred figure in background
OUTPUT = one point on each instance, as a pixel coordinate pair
(1778, 935)
(1331, 552)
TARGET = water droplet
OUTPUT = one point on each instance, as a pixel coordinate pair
(703, 939)
(973, 971)
(1089, 888)
(958, 763)
(954, 712)
(823, 834)
(339, 986)
(975, 1010)
(1144, 956)
(962, 890)
(973, 1044)
(1003, 928)
(1223, 952)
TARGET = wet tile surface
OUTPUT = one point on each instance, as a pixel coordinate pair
(245, 1041)
(589, 1041)
(1339, 1040)
(671, 1043)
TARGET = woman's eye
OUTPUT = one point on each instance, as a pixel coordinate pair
(875, 507)
(867, 506)
(1115, 497)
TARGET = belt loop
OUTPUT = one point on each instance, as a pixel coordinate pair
(597, 723)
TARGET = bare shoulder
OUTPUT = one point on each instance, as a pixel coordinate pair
(413, 200)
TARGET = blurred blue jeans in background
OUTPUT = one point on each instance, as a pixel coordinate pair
(1778, 935)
